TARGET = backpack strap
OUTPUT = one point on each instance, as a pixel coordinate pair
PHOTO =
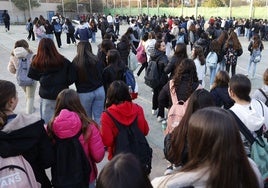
(263, 94)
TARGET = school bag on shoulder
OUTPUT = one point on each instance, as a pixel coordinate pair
(71, 168)
(152, 75)
(131, 140)
(212, 60)
(266, 102)
(22, 71)
(16, 172)
(129, 79)
(176, 111)
(141, 54)
(57, 28)
(259, 147)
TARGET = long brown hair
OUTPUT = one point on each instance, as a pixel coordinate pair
(85, 61)
(47, 56)
(69, 99)
(222, 79)
(199, 99)
(214, 141)
(198, 53)
(233, 41)
(256, 41)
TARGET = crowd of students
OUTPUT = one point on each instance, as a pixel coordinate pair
(205, 149)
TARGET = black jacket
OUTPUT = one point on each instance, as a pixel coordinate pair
(221, 97)
(25, 135)
(53, 81)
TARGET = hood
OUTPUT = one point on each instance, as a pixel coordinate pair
(66, 124)
(249, 116)
(125, 112)
(20, 52)
(84, 26)
(21, 121)
(156, 54)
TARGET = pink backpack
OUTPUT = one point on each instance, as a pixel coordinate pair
(176, 111)
(141, 54)
(16, 172)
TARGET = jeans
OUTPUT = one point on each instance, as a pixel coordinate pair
(221, 66)
(93, 39)
(93, 103)
(212, 74)
(50, 36)
(254, 67)
(47, 108)
(29, 92)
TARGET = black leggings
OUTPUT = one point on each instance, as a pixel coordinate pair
(233, 68)
(143, 66)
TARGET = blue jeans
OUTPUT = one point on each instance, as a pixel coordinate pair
(212, 74)
(47, 108)
(221, 66)
(93, 102)
(93, 39)
(254, 67)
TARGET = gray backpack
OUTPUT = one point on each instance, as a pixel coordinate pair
(16, 172)
(22, 71)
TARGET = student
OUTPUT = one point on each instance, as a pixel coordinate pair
(121, 107)
(24, 135)
(124, 170)
(257, 94)
(22, 51)
(219, 90)
(69, 118)
(253, 113)
(54, 72)
(199, 61)
(216, 155)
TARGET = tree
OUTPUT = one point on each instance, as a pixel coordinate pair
(213, 3)
(24, 5)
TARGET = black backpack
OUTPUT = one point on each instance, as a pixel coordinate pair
(266, 102)
(152, 75)
(71, 168)
(131, 140)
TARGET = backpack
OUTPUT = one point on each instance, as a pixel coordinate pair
(259, 146)
(180, 39)
(17, 172)
(136, 34)
(28, 26)
(176, 111)
(231, 56)
(256, 55)
(266, 102)
(141, 54)
(131, 140)
(212, 60)
(57, 28)
(152, 75)
(22, 71)
(71, 168)
(129, 78)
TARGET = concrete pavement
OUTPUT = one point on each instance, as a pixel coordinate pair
(155, 136)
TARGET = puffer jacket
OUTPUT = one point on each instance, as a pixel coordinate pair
(67, 124)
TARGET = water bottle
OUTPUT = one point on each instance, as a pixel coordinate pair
(164, 125)
(130, 89)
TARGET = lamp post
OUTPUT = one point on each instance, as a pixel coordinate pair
(30, 8)
(63, 12)
(251, 9)
(230, 9)
(196, 8)
(148, 7)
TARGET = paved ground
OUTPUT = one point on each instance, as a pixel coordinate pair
(155, 136)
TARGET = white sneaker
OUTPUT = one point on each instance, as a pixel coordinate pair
(154, 112)
(169, 170)
(160, 119)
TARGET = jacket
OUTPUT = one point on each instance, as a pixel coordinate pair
(25, 135)
(196, 178)
(67, 124)
(221, 97)
(124, 50)
(162, 61)
(83, 33)
(172, 64)
(259, 96)
(125, 113)
(254, 115)
(53, 81)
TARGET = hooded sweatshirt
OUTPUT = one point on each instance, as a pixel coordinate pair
(254, 115)
(67, 124)
(25, 135)
(125, 113)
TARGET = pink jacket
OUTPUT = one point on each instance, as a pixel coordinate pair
(68, 124)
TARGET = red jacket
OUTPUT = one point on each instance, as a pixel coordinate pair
(125, 113)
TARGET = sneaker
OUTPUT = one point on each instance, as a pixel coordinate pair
(169, 170)
(160, 119)
(154, 112)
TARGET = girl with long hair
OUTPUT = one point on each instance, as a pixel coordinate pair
(255, 48)
(89, 83)
(22, 51)
(54, 73)
(221, 40)
(25, 135)
(199, 61)
(68, 120)
(216, 155)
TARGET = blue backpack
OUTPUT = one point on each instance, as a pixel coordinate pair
(129, 78)
(57, 28)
